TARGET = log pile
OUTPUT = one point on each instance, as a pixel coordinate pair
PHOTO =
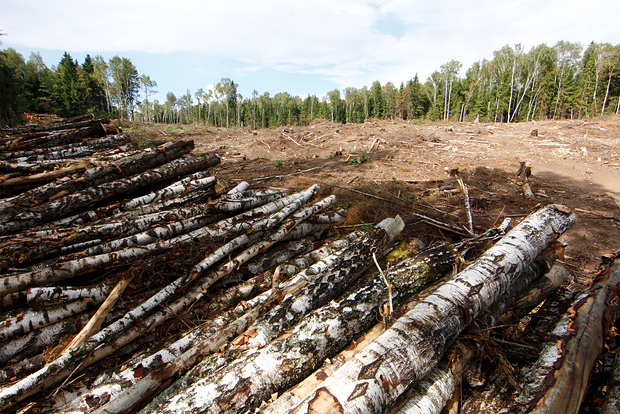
(137, 281)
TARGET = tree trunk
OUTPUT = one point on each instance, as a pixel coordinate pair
(431, 394)
(71, 268)
(138, 382)
(413, 346)
(90, 196)
(321, 334)
(116, 335)
(95, 176)
(558, 381)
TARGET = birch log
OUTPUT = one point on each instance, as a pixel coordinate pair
(125, 167)
(413, 346)
(136, 383)
(37, 340)
(53, 139)
(377, 238)
(302, 298)
(94, 348)
(259, 373)
(93, 195)
(69, 151)
(29, 247)
(153, 381)
(169, 191)
(70, 268)
(430, 395)
(30, 320)
(559, 379)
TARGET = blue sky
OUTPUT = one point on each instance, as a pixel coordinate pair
(299, 47)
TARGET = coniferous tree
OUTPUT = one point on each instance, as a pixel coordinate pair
(94, 93)
(377, 100)
(70, 93)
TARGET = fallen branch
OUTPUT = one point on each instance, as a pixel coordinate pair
(94, 324)
(470, 222)
(273, 177)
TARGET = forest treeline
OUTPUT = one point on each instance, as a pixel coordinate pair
(558, 82)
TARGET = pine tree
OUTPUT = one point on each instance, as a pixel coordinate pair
(70, 93)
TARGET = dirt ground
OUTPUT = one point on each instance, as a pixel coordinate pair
(383, 168)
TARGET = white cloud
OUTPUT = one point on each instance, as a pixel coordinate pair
(336, 39)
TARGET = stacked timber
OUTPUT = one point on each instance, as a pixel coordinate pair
(140, 282)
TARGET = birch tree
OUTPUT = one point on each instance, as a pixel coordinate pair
(126, 84)
(148, 88)
(610, 58)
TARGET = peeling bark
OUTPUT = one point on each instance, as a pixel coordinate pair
(321, 334)
(559, 379)
(413, 346)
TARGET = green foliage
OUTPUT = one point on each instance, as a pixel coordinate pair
(546, 82)
(345, 205)
(125, 85)
(70, 91)
(11, 90)
(361, 160)
(279, 164)
(366, 227)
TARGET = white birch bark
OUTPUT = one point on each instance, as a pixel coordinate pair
(31, 320)
(132, 386)
(39, 245)
(35, 341)
(83, 355)
(49, 296)
(430, 395)
(90, 196)
(169, 191)
(252, 199)
(414, 344)
(322, 333)
(125, 167)
(153, 381)
(71, 268)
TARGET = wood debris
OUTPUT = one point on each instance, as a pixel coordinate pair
(132, 279)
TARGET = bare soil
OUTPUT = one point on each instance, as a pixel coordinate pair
(380, 169)
(383, 168)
